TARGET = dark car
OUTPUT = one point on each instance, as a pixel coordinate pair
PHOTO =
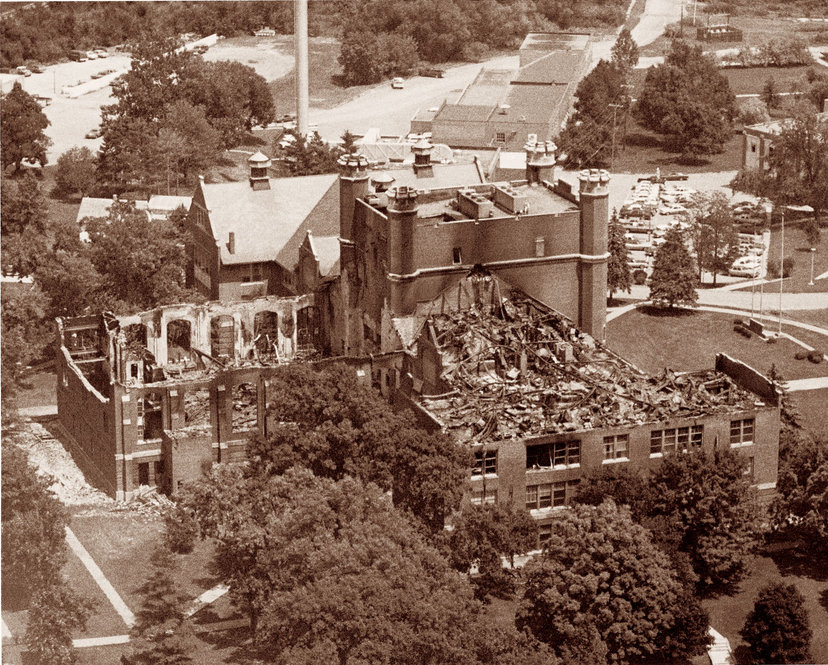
(433, 72)
(36, 68)
(94, 133)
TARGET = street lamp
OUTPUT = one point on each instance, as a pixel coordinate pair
(813, 251)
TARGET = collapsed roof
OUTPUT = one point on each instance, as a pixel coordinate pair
(515, 368)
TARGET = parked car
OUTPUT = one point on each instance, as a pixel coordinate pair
(78, 56)
(746, 266)
(94, 133)
(434, 72)
(636, 241)
(91, 55)
(397, 83)
(22, 71)
(36, 68)
(101, 53)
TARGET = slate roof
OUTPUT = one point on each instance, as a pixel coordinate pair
(269, 224)
(326, 251)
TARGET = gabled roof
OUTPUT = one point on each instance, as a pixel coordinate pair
(326, 251)
(269, 224)
(94, 207)
(165, 203)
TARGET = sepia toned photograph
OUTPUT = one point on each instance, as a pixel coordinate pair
(414, 332)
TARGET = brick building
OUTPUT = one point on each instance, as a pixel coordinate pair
(246, 235)
(504, 108)
(541, 403)
(402, 246)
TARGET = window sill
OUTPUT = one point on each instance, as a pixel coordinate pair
(741, 445)
(559, 467)
(540, 512)
(146, 442)
(486, 476)
(616, 460)
(654, 455)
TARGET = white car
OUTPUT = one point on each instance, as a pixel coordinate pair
(746, 266)
(397, 83)
(91, 55)
(636, 241)
(669, 209)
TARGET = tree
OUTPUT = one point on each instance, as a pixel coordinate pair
(625, 51)
(141, 260)
(310, 155)
(715, 508)
(76, 171)
(330, 570)
(619, 277)
(770, 93)
(801, 505)
(162, 634)
(715, 241)
(348, 145)
(25, 222)
(191, 145)
(22, 122)
(673, 281)
(33, 530)
(600, 586)
(777, 629)
(687, 101)
(54, 615)
(340, 426)
(600, 103)
(791, 432)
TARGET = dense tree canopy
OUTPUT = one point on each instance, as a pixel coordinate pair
(22, 122)
(339, 426)
(674, 280)
(75, 171)
(687, 101)
(55, 614)
(174, 112)
(33, 530)
(777, 629)
(601, 587)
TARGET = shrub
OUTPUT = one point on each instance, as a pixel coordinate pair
(639, 276)
(738, 322)
(801, 354)
(815, 356)
(787, 267)
(772, 340)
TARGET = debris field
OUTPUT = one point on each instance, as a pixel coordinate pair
(514, 369)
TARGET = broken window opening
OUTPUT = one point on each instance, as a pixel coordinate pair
(485, 462)
(222, 336)
(266, 334)
(197, 407)
(549, 455)
(305, 330)
(150, 411)
(143, 473)
(179, 340)
(544, 534)
(245, 411)
(135, 335)
(456, 256)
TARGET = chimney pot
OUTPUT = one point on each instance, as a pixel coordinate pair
(231, 242)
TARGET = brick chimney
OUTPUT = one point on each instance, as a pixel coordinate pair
(231, 242)
(353, 185)
(259, 164)
(540, 161)
(402, 220)
(594, 204)
(422, 158)
(382, 181)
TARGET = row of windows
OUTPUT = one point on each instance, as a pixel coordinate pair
(616, 446)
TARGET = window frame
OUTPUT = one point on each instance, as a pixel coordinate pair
(558, 454)
(611, 449)
(483, 460)
(740, 429)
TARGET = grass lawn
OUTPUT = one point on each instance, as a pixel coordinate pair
(122, 545)
(690, 342)
(38, 389)
(816, 317)
(728, 613)
(811, 405)
(643, 152)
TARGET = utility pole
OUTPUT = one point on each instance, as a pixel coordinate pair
(614, 108)
(781, 271)
(813, 251)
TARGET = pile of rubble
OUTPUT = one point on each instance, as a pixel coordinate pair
(49, 457)
(513, 368)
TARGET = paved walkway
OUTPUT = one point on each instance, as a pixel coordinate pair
(38, 411)
(100, 579)
(798, 385)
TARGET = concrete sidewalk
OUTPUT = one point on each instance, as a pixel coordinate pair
(798, 385)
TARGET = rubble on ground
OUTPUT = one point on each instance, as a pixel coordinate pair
(513, 369)
(48, 455)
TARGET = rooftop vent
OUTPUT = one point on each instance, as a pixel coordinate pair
(474, 205)
(259, 164)
(511, 200)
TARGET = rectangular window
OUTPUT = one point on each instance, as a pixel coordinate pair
(547, 455)
(485, 462)
(482, 496)
(500, 137)
(544, 533)
(665, 441)
(741, 432)
(540, 247)
(456, 257)
(753, 148)
(550, 495)
(616, 446)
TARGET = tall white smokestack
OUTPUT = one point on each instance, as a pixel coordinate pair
(300, 45)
